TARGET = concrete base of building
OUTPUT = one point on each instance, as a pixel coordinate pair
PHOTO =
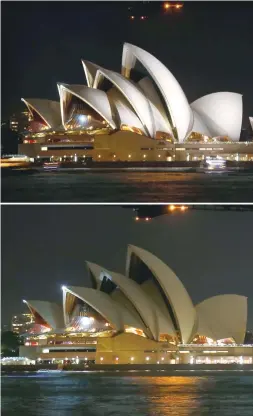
(128, 146)
(134, 350)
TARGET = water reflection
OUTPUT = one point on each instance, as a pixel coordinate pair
(127, 187)
(103, 395)
(171, 395)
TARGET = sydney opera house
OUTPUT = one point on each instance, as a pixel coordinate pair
(141, 114)
(145, 316)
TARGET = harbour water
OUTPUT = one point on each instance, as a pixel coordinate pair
(97, 395)
(127, 187)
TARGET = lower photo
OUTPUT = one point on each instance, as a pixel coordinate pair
(132, 309)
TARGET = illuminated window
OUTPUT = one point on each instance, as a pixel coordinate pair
(130, 329)
(136, 130)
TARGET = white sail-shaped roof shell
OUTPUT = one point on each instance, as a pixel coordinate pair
(96, 99)
(172, 287)
(123, 112)
(116, 314)
(160, 124)
(169, 87)
(161, 121)
(222, 113)
(93, 275)
(147, 86)
(90, 70)
(133, 293)
(150, 313)
(251, 122)
(199, 125)
(48, 110)
(134, 96)
(223, 316)
(96, 275)
(49, 311)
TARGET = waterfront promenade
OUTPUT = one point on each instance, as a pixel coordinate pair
(137, 369)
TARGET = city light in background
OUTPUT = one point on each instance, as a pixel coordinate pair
(148, 213)
(136, 11)
(170, 6)
(170, 208)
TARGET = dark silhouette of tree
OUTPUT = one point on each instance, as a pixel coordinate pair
(9, 344)
(248, 338)
(9, 140)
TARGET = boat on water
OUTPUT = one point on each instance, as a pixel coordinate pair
(53, 371)
(9, 161)
(216, 164)
(49, 166)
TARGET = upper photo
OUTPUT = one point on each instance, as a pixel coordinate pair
(127, 102)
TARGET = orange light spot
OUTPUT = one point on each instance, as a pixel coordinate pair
(172, 207)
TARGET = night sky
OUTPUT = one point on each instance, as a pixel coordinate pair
(207, 46)
(45, 247)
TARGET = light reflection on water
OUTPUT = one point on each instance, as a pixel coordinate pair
(128, 187)
(99, 395)
(171, 395)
